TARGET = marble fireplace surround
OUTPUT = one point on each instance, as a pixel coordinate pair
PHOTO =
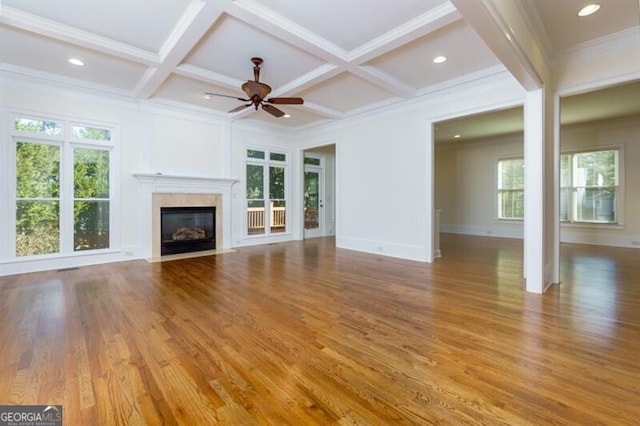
(159, 190)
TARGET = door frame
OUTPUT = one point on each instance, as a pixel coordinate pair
(321, 230)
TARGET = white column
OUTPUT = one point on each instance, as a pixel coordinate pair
(537, 229)
(430, 199)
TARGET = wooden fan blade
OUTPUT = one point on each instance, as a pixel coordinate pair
(287, 101)
(226, 96)
(240, 108)
(272, 110)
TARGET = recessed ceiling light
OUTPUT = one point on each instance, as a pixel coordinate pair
(439, 59)
(207, 95)
(77, 62)
(456, 136)
(286, 116)
(589, 9)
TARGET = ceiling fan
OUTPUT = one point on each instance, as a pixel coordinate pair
(256, 93)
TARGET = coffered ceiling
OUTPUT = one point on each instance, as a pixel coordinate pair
(344, 57)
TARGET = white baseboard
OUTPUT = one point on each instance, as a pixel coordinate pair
(513, 231)
(601, 238)
(23, 266)
(384, 248)
(630, 241)
(243, 241)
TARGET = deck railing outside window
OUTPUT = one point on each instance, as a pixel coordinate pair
(255, 219)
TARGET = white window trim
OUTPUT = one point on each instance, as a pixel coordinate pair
(620, 202)
(266, 162)
(315, 156)
(496, 202)
(620, 205)
(66, 142)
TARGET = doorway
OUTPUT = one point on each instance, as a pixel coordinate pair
(313, 197)
(318, 192)
(598, 135)
(479, 185)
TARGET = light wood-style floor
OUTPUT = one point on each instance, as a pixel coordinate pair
(303, 333)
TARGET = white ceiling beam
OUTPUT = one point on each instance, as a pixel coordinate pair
(384, 80)
(259, 16)
(54, 30)
(316, 76)
(198, 73)
(322, 110)
(504, 29)
(194, 23)
(420, 26)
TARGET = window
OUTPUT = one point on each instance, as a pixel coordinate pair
(37, 198)
(312, 161)
(511, 188)
(589, 186)
(63, 188)
(266, 179)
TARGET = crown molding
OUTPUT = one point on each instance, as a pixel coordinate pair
(14, 75)
(185, 111)
(616, 41)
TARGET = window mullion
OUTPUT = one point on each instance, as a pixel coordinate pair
(267, 196)
(66, 201)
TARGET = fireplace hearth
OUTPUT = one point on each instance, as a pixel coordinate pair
(187, 229)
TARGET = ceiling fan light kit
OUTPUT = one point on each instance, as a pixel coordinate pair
(257, 92)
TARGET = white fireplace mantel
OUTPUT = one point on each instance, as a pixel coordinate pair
(157, 183)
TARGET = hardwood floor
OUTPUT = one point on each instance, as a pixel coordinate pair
(303, 333)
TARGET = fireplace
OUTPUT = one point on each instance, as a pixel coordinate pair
(187, 229)
(159, 190)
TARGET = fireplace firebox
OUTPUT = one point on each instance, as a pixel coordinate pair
(187, 229)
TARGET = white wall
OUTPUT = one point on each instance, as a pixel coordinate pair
(188, 147)
(151, 140)
(384, 172)
(466, 183)
(382, 177)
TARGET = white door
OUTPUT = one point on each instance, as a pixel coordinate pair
(313, 198)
